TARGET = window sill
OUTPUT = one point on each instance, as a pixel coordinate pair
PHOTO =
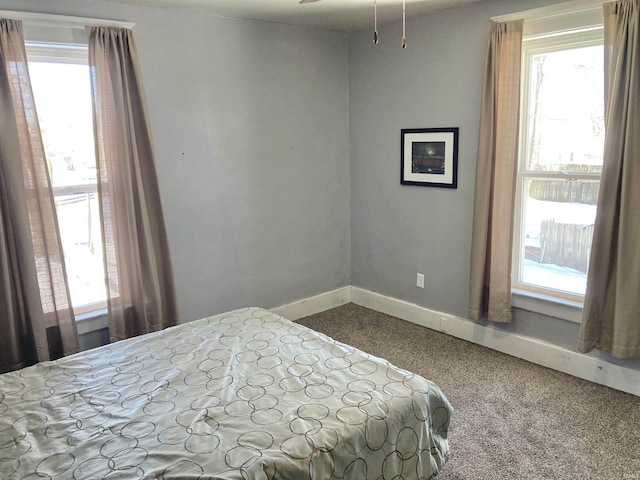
(547, 305)
(92, 321)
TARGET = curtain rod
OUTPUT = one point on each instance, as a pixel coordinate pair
(552, 10)
(45, 19)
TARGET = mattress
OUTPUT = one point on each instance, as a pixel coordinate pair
(242, 395)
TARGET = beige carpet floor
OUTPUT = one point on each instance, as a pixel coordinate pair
(513, 419)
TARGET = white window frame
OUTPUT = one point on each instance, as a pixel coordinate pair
(533, 297)
(539, 23)
(70, 32)
(74, 54)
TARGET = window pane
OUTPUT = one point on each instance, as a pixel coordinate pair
(565, 125)
(79, 222)
(558, 227)
(63, 99)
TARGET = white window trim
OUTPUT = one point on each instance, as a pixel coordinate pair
(541, 28)
(62, 21)
(91, 316)
(60, 29)
(548, 305)
(77, 54)
(551, 11)
(92, 321)
(532, 46)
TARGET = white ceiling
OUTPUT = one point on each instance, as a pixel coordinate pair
(342, 15)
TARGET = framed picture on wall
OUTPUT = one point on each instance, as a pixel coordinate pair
(429, 157)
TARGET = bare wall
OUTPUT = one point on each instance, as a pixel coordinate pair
(250, 125)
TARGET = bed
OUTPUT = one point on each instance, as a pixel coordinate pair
(241, 396)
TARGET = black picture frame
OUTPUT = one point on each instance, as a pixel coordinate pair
(429, 157)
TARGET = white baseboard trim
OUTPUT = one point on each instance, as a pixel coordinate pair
(316, 304)
(580, 365)
(533, 350)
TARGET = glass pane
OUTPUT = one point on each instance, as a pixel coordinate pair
(565, 125)
(558, 227)
(79, 221)
(63, 98)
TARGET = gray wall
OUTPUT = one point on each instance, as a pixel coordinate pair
(397, 230)
(250, 123)
(436, 81)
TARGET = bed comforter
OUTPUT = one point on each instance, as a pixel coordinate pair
(242, 395)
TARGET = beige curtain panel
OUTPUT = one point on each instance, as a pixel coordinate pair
(140, 289)
(36, 321)
(611, 315)
(490, 282)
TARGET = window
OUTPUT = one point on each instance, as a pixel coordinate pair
(561, 150)
(61, 86)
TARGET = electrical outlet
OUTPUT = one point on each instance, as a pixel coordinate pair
(420, 281)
